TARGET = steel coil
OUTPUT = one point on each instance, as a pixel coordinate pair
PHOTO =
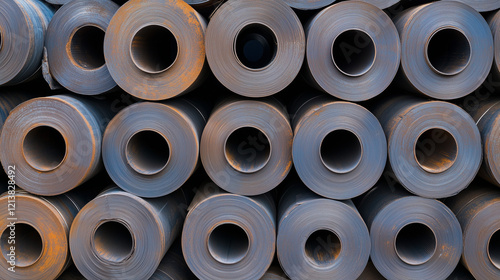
(332, 243)
(255, 48)
(229, 236)
(477, 209)
(486, 115)
(197, 4)
(494, 23)
(274, 273)
(23, 24)
(481, 5)
(74, 43)
(309, 4)
(9, 99)
(353, 51)
(382, 4)
(121, 236)
(339, 148)
(173, 266)
(151, 149)
(434, 147)
(40, 233)
(246, 146)
(412, 237)
(446, 51)
(154, 49)
(54, 142)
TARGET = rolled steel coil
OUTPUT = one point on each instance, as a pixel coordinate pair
(151, 149)
(203, 3)
(229, 236)
(382, 4)
(339, 148)
(477, 209)
(173, 266)
(40, 234)
(274, 273)
(481, 5)
(486, 115)
(309, 4)
(353, 51)
(74, 43)
(23, 24)
(121, 236)
(446, 50)
(154, 49)
(320, 238)
(246, 146)
(54, 142)
(494, 23)
(255, 48)
(9, 99)
(434, 147)
(412, 237)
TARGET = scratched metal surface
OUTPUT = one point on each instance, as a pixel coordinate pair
(55, 142)
(229, 236)
(353, 51)
(320, 238)
(412, 237)
(9, 99)
(74, 43)
(339, 148)
(434, 147)
(23, 24)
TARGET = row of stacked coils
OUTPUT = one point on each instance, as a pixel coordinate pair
(250, 139)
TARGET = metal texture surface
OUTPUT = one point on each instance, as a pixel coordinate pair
(173, 266)
(320, 238)
(309, 4)
(477, 209)
(23, 24)
(121, 236)
(339, 148)
(446, 51)
(487, 118)
(74, 43)
(381, 4)
(203, 3)
(155, 49)
(412, 237)
(255, 48)
(246, 146)
(434, 147)
(494, 23)
(9, 99)
(40, 233)
(353, 51)
(55, 142)
(151, 149)
(229, 236)
(481, 5)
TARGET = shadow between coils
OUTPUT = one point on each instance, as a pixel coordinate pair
(329, 244)
(412, 237)
(22, 29)
(120, 235)
(151, 149)
(339, 148)
(434, 147)
(477, 209)
(54, 142)
(246, 146)
(173, 266)
(229, 236)
(74, 42)
(353, 51)
(446, 49)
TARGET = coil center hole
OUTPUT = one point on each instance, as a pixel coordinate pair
(436, 150)
(341, 151)
(147, 152)
(44, 148)
(154, 49)
(28, 246)
(323, 247)
(87, 47)
(255, 46)
(247, 149)
(494, 249)
(228, 243)
(415, 244)
(353, 52)
(448, 51)
(113, 241)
